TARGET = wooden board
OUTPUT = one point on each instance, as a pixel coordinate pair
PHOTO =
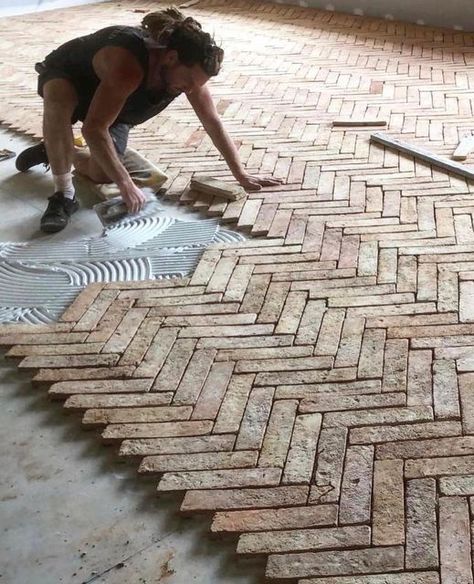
(422, 154)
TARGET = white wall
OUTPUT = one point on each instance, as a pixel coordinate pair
(458, 14)
(12, 7)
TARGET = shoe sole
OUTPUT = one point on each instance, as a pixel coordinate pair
(24, 169)
(51, 227)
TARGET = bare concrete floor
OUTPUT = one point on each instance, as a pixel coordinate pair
(69, 510)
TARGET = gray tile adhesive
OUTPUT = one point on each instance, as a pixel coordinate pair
(39, 279)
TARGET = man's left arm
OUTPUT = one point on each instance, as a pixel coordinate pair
(206, 111)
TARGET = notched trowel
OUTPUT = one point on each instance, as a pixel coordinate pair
(115, 210)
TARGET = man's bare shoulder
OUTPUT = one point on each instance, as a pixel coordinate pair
(118, 66)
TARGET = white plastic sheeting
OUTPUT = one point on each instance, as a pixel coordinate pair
(458, 14)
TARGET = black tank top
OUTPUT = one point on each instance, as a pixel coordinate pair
(74, 58)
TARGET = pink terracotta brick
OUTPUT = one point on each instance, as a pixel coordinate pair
(329, 563)
(263, 519)
(248, 498)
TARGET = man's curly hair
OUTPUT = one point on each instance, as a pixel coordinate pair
(185, 35)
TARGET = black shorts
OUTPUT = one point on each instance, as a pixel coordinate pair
(118, 131)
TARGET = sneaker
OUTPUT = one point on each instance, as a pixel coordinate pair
(31, 157)
(58, 212)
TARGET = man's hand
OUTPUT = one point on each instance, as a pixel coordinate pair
(254, 183)
(132, 197)
(206, 111)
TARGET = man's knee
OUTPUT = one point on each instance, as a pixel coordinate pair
(60, 97)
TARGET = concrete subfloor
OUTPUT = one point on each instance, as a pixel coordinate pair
(70, 510)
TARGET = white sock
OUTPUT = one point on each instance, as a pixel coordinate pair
(63, 183)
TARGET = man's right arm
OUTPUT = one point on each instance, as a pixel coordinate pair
(120, 74)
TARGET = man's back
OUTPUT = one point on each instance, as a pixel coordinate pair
(74, 61)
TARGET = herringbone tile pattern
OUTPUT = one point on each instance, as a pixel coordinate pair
(313, 388)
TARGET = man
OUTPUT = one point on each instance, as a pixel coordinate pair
(111, 80)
